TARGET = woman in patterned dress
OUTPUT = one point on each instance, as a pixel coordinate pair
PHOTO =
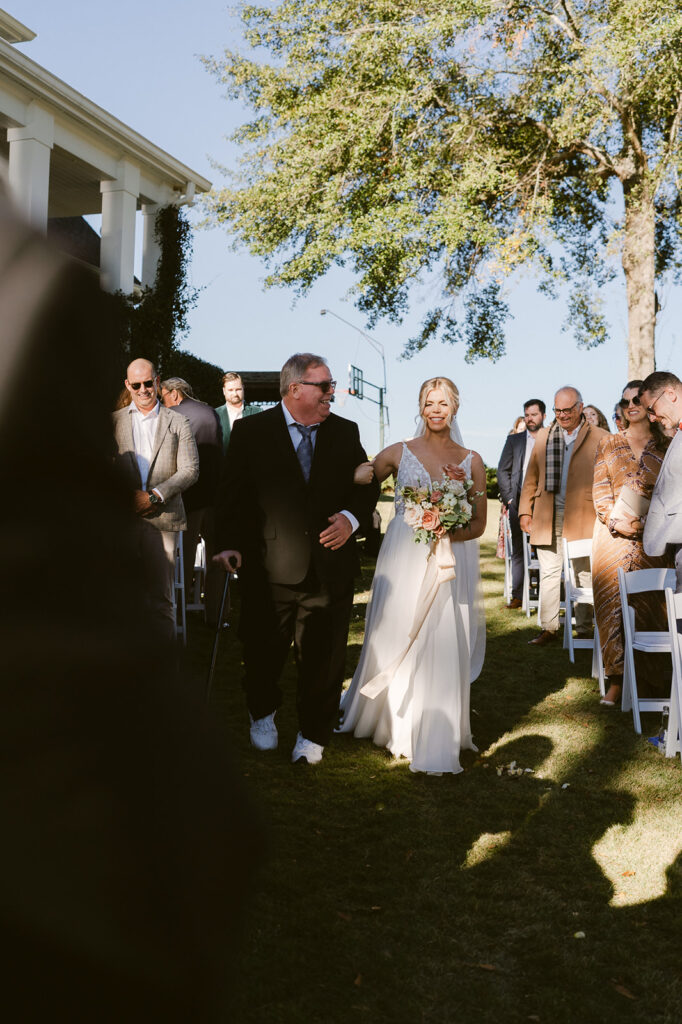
(631, 459)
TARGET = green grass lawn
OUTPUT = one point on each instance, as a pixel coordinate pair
(551, 896)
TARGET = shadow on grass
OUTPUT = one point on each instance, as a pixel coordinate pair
(390, 896)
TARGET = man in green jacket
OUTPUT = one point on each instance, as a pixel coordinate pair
(234, 408)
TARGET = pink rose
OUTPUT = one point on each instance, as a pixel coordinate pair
(440, 530)
(430, 519)
(455, 472)
(436, 496)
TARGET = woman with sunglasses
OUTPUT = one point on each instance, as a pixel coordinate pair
(630, 459)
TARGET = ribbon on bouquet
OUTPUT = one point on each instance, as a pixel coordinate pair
(440, 568)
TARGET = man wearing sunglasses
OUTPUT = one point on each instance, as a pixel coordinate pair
(158, 456)
(287, 511)
(661, 396)
(556, 502)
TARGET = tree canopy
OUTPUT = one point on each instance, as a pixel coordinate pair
(465, 138)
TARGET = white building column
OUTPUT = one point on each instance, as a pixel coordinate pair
(117, 251)
(29, 164)
(151, 250)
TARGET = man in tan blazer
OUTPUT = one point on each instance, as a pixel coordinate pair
(158, 455)
(556, 502)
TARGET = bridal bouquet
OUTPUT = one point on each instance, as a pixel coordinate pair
(432, 511)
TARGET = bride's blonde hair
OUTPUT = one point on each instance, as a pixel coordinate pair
(445, 385)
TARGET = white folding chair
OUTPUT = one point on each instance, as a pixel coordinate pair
(179, 593)
(575, 594)
(530, 564)
(196, 602)
(673, 603)
(641, 581)
(508, 549)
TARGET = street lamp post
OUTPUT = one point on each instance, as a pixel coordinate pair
(378, 347)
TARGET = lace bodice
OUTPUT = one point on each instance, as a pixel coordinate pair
(412, 473)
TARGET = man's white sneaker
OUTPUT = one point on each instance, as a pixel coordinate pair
(306, 749)
(264, 732)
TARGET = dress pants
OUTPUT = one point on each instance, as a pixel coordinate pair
(157, 553)
(551, 559)
(201, 523)
(314, 616)
(517, 551)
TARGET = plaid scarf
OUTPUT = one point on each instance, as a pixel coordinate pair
(554, 459)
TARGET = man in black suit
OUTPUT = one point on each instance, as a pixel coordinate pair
(510, 473)
(286, 516)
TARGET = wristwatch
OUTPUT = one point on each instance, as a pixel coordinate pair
(154, 499)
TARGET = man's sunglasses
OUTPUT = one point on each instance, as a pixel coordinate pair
(323, 385)
(138, 384)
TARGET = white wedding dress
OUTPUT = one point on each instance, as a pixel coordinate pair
(422, 712)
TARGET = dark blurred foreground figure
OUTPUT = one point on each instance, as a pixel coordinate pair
(127, 846)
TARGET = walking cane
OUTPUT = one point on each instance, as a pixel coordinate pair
(225, 601)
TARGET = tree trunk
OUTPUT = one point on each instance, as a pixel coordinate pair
(638, 264)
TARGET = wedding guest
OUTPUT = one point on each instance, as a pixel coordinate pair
(619, 418)
(511, 471)
(199, 499)
(519, 426)
(123, 400)
(556, 502)
(629, 460)
(233, 408)
(157, 455)
(596, 417)
(661, 396)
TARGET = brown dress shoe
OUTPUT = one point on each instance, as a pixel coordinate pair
(515, 602)
(544, 638)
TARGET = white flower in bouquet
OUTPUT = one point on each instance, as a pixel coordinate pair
(434, 511)
(413, 516)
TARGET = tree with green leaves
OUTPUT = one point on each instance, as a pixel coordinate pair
(466, 139)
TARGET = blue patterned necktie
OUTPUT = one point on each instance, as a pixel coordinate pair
(305, 448)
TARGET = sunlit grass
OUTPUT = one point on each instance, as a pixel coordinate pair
(389, 896)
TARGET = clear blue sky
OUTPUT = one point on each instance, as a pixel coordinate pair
(139, 60)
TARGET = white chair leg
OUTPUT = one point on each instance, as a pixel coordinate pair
(598, 662)
(568, 631)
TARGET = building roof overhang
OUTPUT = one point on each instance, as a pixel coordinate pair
(89, 142)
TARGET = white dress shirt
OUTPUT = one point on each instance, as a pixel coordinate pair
(144, 432)
(234, 414)
(296, 438)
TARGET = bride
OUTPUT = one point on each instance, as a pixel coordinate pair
(410, 691)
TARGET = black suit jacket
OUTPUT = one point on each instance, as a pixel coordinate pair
(207, 433)
(269, 513)
(510, 468)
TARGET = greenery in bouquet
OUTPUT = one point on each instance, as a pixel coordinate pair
(433, 511)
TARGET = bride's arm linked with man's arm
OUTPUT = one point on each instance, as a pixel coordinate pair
(382, 466)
